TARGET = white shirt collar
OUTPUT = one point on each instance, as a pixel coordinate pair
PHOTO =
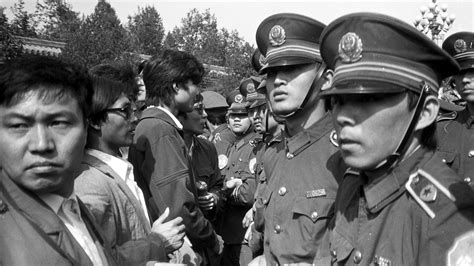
(175, 120)
(120, 166)
(55, 201)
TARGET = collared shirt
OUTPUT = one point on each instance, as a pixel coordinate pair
(175, 120)
(124, 169)
(69, 212)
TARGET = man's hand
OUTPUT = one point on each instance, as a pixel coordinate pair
(248, 218)
(219, 245)
(233, 183)
(208, 201)
(171, 232)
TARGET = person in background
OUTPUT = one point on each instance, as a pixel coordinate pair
(44, 105)
(159, 155)
(107, 185)
(239, 185)
(455, 131)
(216, 107)
(397, 204)
(141, 96)
(204, 162)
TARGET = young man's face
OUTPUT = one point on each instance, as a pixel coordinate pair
(287, 86)
(257, 117)
(42, 143)
(195, 121)
(186, 96)
(465, 84)
(239, 123)
(118, 130)
(369, 127)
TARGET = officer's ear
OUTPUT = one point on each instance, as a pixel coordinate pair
(328, 77)
(429, 113)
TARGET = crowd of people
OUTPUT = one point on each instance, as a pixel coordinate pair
(339, 152)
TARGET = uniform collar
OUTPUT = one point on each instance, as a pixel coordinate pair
(303, 139)
(382, 190)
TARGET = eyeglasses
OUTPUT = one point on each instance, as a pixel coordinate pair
(199, 107)
(127, 111)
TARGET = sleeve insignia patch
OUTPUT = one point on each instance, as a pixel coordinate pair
(252, 165)
(222, 161)
(428, 193)
(461, 252)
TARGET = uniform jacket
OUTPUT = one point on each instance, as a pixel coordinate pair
(162, 170)
(117, 210)
(206, 168)
(302, 173)
(32, 234)
(223, 138)
(242, 164)
(455, 133)
(380, 222)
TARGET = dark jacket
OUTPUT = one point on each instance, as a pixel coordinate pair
(163, 172)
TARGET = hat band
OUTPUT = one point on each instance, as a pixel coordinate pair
(309, 50)
(389, 73)
(466, 55)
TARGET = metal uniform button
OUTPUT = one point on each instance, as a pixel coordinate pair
(470, 154)
(314, 215)
(282, 191)
(333, 253)
(240, 159)
(467, 180)
(289, 155)
(443, 160)
(357, 257)
(277, 229)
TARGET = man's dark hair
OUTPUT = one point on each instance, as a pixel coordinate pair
(168, 68)
(52, 78)
(428, 135)
(120, 71)
(106, 93)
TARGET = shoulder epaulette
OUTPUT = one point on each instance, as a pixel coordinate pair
(424, 189)
(447, 116)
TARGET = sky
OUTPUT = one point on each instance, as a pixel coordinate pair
(245, 15)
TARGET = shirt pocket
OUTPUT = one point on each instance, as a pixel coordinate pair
(311, 217)
(448, 157)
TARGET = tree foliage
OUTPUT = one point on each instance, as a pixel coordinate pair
(55, 20)
(101, 38)
(146, 31)
(22, 23)
(10, 46)
(199, 35)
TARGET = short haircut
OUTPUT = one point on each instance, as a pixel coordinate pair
(52, 78)
(167, 68)
(121, 72)
(106, 93)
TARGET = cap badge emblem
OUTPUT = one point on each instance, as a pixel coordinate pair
(238, 98)
(250, 88)
(350, 48)
(277, 35)
(460, 46)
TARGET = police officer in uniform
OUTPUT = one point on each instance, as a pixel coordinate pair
(456, 129)
(397, 204)
(216, 107)
(301, 165)
(240, 186)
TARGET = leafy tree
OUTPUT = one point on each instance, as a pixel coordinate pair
(21, 24)
(100, 39)
(200, 36)
(55, 20)
(10, 46)
(146, 30)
